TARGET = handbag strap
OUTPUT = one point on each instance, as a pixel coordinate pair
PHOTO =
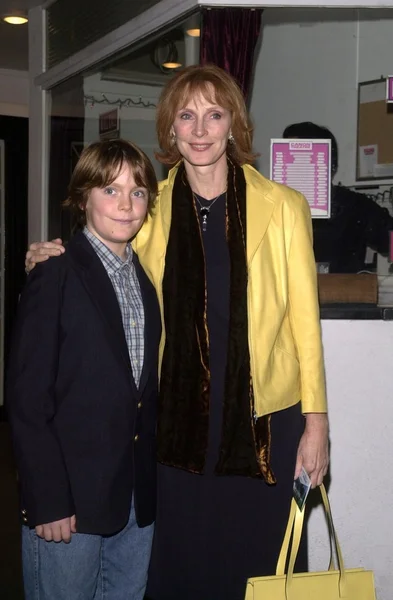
(282, 559)
(295, 526)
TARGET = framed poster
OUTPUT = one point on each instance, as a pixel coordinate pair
(109, 124)
(374, 131)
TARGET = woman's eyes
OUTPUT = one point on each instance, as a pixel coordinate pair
(188, 116)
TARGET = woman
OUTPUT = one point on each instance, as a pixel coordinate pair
(230, 254)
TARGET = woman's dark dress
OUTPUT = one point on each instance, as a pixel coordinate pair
(213, 532)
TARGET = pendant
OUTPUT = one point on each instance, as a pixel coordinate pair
(204, 214)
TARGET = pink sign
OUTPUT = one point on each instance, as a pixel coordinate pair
(304, 165)
(389, 89)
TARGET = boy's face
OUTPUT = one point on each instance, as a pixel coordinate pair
(114, 214)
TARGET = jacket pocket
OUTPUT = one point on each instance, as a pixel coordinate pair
(286, 352)
(278, 387)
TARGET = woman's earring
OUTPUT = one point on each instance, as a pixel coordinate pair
(231, 139)
(173, 138)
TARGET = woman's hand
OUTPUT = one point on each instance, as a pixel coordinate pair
(41, 251)
(313, 451)
(57, 531)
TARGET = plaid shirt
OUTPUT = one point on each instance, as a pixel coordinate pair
(128, 292)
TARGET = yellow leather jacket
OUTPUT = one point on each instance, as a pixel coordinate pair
(283, 312)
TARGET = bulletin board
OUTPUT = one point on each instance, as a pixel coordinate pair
(375, 132)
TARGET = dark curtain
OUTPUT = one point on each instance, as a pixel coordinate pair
(229, 37)
(15, 133)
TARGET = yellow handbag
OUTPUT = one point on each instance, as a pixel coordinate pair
(349, 584)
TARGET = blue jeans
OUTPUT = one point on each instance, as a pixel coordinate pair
(90, 567)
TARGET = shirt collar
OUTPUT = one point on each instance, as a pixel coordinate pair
(111, 261)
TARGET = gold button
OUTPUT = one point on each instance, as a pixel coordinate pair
(136, 438)
(24, 519)
(139, 404)
(23, 511)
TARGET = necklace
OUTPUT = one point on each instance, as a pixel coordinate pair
(205, 210)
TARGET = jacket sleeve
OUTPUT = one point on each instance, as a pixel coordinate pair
(304, 311)
(31, 401)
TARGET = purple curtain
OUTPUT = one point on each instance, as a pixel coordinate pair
(229, 37)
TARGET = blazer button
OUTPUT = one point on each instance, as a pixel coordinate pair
(139, 405)
(24, 512)
(136, 438)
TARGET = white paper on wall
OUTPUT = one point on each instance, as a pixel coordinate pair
(368, 159)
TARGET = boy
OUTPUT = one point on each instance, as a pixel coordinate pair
(82, 391)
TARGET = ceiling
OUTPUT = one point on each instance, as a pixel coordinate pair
(14, 42)
(14, 47)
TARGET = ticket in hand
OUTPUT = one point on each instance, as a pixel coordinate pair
(301, 487)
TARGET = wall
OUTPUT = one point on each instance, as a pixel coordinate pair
(137, 123)
(308, 68)
(14, 40)
(14, 93)
(360, 392)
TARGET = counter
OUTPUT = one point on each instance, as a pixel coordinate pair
(359, 371)
(356, 312)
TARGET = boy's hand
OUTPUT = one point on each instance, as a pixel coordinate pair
(57, 531)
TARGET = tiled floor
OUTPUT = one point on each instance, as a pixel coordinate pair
(10, 567)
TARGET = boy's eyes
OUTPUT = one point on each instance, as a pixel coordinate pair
(110, 191)
(140, 193)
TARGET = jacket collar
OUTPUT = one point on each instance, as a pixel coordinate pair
(99, 287)
(260, 205)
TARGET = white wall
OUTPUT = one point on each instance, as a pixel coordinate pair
(14, 93)
(308, 68)
(137, 124)
(360, 392)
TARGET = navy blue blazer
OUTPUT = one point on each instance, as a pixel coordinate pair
(84, 435)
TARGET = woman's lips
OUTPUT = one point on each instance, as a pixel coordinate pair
(200, 147)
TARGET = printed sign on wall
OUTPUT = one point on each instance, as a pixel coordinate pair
(109, 124)
(304, 165)
(389, 89)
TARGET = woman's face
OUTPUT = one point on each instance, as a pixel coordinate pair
(202, 130)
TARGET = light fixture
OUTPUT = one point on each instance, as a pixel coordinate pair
(171, 65)
(17, 17)
(165, 55)
(172, 58)
(193, 26)
(196, 32)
